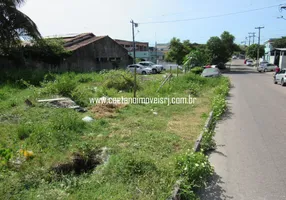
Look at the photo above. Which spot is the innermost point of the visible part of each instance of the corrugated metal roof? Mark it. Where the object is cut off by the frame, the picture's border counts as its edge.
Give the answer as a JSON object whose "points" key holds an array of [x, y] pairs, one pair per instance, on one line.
{"points": [[80, 44]]}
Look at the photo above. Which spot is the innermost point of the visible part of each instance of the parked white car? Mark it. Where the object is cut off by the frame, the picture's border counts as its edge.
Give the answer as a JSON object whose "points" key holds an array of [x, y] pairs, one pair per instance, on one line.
{"points": [[280, 78], [249, 62], [155, 68], [140, 69], [266, 67]]}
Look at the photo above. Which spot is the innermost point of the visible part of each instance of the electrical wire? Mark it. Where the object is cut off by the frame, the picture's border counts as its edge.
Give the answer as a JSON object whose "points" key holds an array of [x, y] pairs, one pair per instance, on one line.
{"points": [[208, 17]]}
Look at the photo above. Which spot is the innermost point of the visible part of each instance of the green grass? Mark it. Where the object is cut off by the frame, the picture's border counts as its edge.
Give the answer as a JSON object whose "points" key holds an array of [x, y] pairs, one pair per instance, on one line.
{"points": [[143, 146]]}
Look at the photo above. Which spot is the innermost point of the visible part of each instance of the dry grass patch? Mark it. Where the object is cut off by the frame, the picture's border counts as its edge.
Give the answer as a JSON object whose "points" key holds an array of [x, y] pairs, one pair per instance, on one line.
{"points": [[188, 125], [107, 110]]}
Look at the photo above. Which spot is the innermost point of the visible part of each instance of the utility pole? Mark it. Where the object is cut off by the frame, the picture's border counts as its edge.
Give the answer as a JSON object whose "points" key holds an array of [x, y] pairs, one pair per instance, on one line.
{"points": [[259, 28], [156, 47], [134, 58], [249, 38], [253, 36]]}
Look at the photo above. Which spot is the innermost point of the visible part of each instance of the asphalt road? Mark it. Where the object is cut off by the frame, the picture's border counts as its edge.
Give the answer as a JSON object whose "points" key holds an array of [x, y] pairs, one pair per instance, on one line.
{"points": [[250, 161]]}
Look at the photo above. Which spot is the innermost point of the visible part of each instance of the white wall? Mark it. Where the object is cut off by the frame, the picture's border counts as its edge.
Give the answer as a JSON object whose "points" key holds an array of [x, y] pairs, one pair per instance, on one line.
{"points": [[282, 63], [272, 59]]}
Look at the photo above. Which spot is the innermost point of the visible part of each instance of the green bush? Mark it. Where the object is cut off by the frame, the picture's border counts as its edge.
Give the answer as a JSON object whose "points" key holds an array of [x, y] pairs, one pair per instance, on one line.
{"points": [[29, 75], [219, 103], [67, 121], [81, 96], [195, 169], [208, 143], [5, 156], [119, 80], [197, 70], [63, 85]]}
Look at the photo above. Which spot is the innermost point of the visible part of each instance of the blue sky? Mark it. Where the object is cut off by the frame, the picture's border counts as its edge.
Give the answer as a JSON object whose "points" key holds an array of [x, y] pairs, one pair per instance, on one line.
{"points": [[112, 17]]}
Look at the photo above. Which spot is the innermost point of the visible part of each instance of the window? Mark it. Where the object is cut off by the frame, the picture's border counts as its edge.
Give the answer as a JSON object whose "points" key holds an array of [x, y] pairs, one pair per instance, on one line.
{"points": [[144, 64]]}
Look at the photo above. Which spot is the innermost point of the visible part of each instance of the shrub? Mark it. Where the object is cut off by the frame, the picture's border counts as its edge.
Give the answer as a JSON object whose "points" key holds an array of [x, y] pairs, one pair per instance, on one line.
{"points": [[119, 80], [208, 143], [5, 156], [29, 75], [63, 85], [81, 96], [195, 169], [197, 70], [67, 121]]}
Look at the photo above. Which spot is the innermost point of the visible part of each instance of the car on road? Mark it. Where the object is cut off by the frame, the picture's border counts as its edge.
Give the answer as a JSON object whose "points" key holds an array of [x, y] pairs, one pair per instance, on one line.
{"points": [[266, 67], [156, 69], [211, 72], [234, 57], [140, 69], [280, 77], [249, 62]]}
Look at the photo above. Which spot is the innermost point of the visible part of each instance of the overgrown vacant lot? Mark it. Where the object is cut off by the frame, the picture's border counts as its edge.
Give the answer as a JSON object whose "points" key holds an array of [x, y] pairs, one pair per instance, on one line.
{"points": [[50, 153]]}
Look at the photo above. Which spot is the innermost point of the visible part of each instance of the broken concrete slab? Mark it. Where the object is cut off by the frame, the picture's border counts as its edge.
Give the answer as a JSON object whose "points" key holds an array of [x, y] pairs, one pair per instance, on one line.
{"points": [[63, 103]]}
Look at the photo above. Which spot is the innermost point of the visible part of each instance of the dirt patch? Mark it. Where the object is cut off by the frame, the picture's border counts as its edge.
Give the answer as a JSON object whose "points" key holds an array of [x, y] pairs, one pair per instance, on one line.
{"points": [[81, 163], [106, 110]]}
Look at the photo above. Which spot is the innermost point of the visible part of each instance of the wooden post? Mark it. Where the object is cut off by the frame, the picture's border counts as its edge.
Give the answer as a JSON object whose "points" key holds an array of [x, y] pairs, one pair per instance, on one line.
{"points": [[170, 75], [177, 70]]}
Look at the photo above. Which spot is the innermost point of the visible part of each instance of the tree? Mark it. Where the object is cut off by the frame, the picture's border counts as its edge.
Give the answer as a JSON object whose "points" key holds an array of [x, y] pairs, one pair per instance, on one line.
{"points": [[241, 49], [178, 50], [220, 49], [216, 51], [251, 51], [14, 24], [196, 58], [228, 41], [51, 51], [280, 43]]}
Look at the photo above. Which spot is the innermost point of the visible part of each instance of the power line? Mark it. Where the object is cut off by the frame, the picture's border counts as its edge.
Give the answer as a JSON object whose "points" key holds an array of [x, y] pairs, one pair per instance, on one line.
{"points": [[208, 17]]}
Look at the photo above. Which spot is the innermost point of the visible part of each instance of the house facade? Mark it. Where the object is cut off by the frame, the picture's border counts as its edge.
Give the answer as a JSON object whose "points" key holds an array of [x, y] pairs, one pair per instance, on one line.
{"points": [[268, 49]]}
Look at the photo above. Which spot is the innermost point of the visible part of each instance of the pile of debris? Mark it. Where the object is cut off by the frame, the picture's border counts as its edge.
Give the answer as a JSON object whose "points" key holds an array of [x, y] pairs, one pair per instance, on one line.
{"points": [[106, 110], [63, 103]]}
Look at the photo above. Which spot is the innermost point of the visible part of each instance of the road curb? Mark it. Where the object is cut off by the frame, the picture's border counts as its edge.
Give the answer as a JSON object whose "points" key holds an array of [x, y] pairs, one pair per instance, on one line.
{"points": [[206, 127], [175, 194]]}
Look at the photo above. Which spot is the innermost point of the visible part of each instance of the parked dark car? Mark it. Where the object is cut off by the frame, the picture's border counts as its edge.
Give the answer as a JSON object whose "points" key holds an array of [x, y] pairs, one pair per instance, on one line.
{"points": [[221, 66]]}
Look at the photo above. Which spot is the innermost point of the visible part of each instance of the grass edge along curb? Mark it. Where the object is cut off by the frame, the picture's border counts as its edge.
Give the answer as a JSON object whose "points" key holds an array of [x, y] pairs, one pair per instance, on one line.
{"points": [[214, 116], [175, 193], [206, 128]]}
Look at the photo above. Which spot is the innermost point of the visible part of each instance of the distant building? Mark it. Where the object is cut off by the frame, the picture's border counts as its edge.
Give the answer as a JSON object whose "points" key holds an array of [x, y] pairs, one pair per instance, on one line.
{"points": [[163, 47], [93, 53], [140, 46], [268, 49], [142, 51]]}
